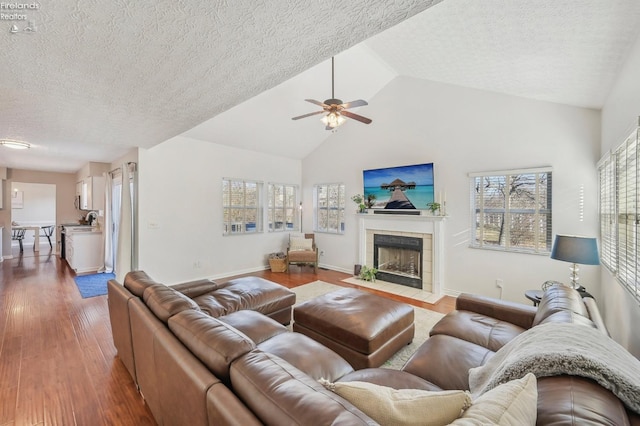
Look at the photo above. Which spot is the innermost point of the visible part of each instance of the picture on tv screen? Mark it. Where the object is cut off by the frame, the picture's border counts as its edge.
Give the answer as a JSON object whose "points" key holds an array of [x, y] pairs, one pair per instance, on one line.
{"points": [[404, 187]]}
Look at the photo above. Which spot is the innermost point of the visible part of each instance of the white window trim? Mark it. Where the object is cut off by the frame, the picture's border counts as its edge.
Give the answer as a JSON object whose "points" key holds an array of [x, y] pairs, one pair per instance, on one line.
{"points": [[507, 248]]}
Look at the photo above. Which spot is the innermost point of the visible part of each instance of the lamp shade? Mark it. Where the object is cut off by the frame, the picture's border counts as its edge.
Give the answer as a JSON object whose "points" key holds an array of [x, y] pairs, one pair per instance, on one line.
{"points": [[581, 250]]}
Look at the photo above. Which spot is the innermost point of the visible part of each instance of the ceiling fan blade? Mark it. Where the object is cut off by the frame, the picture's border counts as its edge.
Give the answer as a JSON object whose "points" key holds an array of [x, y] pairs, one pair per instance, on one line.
{"points": [[354, 104], [357, 117], [313, 101], [307, 115]]}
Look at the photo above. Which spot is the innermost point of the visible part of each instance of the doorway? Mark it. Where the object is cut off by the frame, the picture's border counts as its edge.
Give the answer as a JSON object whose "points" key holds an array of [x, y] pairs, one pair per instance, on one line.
{"points": [[33, 206]]}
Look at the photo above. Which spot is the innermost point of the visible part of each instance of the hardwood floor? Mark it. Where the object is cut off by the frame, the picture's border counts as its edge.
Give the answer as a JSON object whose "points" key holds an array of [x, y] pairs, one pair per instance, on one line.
{"points": [[58, 365]]}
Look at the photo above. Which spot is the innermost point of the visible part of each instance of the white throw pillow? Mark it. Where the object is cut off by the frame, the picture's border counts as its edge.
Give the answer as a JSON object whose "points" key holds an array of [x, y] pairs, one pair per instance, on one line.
{"points": [[402, 407], [300, 244], [511, 403]]}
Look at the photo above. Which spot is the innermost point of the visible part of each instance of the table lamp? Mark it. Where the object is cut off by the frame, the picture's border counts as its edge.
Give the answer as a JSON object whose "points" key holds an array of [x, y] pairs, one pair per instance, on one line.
{"points": [[577, 250]]}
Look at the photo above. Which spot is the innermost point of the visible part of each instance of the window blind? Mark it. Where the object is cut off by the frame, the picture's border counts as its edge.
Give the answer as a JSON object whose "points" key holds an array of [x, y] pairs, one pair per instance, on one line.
{"points": [[511, 210], [619, 180]]}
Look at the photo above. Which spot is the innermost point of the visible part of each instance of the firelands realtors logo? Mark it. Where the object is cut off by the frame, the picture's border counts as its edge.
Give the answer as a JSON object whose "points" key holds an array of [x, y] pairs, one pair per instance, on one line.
{"points": [[19, 15]]}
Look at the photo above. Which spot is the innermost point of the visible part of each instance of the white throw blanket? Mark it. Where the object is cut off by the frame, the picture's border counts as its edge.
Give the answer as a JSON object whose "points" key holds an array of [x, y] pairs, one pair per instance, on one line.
{"points": [[556, 349]]}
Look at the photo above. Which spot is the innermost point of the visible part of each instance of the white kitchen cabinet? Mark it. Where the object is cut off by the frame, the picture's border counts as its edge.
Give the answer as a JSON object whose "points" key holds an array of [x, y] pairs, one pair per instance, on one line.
{"points": [[91, 193], [83, 249]]}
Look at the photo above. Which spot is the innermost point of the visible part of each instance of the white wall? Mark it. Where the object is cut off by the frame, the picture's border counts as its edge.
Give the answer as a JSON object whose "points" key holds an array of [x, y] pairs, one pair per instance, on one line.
{"points": [[620, 113], [180, 209], [464, 130]]}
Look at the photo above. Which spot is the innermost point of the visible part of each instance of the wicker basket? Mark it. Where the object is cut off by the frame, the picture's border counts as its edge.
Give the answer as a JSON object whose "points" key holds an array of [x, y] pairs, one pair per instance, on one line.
{"points": [[278, 265]]}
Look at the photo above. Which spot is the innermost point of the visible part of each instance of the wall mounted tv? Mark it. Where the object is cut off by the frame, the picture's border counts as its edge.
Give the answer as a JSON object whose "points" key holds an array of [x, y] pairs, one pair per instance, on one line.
{"points": [[397, 188]]}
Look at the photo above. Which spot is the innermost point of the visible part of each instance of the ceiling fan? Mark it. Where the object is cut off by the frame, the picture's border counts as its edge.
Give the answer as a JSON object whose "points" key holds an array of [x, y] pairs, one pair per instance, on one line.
{"points": [[335, 109]]}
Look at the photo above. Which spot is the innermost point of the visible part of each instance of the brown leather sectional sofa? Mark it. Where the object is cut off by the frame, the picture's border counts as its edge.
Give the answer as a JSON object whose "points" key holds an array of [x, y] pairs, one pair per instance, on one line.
{"points": [[244, 368]]}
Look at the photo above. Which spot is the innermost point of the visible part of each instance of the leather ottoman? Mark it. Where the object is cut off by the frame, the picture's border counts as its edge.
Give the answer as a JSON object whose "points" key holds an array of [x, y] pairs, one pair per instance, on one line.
{"points": [[363, 328]]}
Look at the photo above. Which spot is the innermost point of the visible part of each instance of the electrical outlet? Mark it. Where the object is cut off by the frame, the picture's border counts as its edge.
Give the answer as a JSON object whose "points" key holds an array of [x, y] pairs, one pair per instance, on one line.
{"points": [[197, 264], [499, 283], [321, 252]]}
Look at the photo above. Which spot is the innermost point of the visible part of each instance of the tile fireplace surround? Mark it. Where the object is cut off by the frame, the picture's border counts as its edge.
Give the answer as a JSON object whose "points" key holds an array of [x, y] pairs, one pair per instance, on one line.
{"points": [[429, 228]]}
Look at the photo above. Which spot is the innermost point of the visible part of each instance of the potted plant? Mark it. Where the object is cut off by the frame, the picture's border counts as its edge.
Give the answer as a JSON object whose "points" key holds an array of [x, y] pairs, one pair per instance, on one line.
{"points": [[359, 200], [434, 207], [370, 201], [368, 274]]}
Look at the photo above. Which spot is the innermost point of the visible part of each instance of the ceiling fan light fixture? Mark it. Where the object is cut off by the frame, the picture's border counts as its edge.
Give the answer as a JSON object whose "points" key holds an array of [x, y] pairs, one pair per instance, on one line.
{"points": [[333, 120], [14, 144]]}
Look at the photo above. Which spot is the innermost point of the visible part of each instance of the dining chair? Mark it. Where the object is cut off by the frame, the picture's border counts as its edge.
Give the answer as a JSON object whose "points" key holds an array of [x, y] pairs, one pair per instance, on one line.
{"points": [[48, 232], [18, 235]]}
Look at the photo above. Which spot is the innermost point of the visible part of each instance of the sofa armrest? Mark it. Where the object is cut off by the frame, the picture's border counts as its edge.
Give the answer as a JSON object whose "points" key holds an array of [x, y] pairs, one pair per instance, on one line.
{"points": [[594, 314], [515, 313]]}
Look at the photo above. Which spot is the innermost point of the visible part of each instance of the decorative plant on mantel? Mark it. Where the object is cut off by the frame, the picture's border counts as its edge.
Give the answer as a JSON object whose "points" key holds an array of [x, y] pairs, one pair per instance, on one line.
{"points": [[434, 207], [370, 201], [368, 274], [359, 200]]}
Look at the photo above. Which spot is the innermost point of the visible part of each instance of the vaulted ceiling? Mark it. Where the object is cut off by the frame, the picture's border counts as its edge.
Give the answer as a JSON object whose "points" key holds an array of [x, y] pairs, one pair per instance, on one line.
{"points": [[98, 78]]}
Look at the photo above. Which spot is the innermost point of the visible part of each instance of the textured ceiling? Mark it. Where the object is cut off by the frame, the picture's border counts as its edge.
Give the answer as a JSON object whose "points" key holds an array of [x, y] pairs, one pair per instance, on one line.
{"points": [[98, 78], [565, 51]]}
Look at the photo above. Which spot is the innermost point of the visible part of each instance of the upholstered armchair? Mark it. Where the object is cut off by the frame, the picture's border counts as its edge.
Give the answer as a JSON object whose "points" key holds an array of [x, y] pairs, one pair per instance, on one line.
{"points": [[302, 250]]}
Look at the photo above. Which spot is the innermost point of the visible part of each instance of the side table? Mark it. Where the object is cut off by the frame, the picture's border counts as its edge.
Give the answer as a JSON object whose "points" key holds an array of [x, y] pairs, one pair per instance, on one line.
{"points": [[534, 295]]}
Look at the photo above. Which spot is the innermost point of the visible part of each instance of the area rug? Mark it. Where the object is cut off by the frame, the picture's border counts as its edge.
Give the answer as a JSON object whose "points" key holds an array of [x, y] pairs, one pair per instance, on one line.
{"points": [[424, 321], [93, 285]]}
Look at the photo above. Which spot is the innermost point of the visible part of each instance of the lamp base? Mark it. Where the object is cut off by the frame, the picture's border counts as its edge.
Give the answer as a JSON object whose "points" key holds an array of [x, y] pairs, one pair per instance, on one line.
{"points": [[574, 276]]}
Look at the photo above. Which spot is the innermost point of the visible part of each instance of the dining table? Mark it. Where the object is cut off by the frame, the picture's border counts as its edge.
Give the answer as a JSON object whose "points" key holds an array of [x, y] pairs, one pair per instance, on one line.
{"points": [[36, 234]]}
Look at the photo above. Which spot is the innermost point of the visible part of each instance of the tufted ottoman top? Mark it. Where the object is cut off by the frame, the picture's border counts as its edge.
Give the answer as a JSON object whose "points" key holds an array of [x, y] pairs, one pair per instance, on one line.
{"points": [[359, 320]]}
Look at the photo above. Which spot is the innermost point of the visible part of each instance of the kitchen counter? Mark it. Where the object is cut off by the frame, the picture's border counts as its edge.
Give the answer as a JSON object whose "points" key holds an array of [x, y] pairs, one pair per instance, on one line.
{"points": [[84, 248]]}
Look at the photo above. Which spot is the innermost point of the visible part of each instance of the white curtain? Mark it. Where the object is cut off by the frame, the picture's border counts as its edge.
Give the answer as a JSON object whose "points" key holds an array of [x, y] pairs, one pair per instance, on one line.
{"points": [[108, 226], [124, 248]]}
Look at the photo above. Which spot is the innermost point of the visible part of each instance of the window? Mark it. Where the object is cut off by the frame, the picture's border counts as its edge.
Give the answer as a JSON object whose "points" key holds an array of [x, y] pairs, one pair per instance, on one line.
{"points": [[329, 202], [282, 210], [511, 210], [619, 175], [242, 205]]}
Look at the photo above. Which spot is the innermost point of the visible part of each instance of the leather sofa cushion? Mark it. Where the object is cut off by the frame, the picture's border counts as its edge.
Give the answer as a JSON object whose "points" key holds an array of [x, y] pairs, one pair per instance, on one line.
{"points": [[209, 303], [280, 394], [254, 325], [395, 379], [196, 288], [137, 282], [559, 298], [445, 361], [477, 328], [215, 343], [575, 400], [252, 293], [165, 302], [307, 355]]}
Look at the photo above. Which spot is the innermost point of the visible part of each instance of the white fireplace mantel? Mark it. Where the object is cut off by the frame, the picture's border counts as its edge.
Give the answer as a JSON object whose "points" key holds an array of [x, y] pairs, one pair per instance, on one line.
{"points": [[419, 224]]}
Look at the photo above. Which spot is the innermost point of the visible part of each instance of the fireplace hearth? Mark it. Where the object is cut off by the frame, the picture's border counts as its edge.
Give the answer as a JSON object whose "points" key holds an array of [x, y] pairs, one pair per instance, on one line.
{"points": [[398, 259]]}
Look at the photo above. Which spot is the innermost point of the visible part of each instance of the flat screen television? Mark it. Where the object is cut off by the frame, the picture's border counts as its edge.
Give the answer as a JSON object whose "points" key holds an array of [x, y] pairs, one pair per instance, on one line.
{"points": [[397, 188]]}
